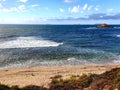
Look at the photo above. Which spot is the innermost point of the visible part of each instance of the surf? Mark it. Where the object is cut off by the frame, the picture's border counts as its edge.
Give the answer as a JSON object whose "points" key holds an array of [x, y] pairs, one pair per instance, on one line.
{"points": [[28, 42]]}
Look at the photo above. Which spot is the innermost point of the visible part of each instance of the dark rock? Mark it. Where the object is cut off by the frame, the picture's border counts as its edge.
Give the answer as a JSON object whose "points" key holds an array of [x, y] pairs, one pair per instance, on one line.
{"points": [[104, 26]]}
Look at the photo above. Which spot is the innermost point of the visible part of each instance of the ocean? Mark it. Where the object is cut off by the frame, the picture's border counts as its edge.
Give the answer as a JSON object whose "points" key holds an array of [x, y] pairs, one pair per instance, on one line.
{"points": [[58, 45]]}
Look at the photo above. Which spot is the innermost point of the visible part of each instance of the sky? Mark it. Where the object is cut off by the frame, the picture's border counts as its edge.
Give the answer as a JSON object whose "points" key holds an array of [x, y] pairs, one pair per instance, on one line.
{"points": [[59, 11]]}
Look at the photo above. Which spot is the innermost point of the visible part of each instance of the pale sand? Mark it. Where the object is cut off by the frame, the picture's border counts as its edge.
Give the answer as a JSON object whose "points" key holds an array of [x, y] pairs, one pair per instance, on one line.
{"points": [[41, 76]]}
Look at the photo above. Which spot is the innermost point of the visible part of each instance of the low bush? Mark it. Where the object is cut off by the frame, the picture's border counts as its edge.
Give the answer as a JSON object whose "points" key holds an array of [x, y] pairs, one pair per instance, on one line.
{"points": [[4, 87], [33, 87], [30, 87], [109, 80], [73, 83]]}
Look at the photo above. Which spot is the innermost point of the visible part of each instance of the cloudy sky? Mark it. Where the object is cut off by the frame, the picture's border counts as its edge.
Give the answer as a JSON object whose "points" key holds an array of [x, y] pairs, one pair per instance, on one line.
{"points": [[59, 11]]}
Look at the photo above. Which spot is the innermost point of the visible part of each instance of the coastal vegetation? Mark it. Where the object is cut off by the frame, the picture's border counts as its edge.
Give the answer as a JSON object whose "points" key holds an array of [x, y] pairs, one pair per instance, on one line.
{"points": [[110, 80]]}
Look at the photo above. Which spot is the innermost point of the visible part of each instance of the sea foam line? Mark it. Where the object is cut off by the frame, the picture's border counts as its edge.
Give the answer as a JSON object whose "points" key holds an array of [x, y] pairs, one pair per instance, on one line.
{"points": [[28, 42]]}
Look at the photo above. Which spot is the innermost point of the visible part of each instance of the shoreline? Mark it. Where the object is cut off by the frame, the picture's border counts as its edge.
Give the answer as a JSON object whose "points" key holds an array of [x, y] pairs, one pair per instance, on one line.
{"points": [[41, 75]]}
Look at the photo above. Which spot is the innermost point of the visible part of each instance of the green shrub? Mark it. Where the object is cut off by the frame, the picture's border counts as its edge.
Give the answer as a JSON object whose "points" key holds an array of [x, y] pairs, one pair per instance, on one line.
{"points": [[14, 88], [33, 87], [73, 83], [56, 77], [117, 81], [4, 87]]}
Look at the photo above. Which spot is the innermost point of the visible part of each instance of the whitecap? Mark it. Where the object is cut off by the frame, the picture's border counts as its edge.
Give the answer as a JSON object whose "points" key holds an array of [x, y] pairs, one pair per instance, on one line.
{"points": [[91, 28], [28, 42], [118, 35], [117, 27]]}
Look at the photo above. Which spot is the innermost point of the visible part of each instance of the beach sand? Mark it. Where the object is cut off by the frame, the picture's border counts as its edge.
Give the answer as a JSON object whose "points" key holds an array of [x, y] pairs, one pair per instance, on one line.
{"points": [[41, 76]]}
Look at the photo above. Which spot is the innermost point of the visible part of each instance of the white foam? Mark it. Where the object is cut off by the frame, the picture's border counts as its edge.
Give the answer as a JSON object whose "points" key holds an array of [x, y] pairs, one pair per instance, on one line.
{"points": [[116, 61], [27, 42], [117, 27], [118, 35], [71, 59], [91, 28]]}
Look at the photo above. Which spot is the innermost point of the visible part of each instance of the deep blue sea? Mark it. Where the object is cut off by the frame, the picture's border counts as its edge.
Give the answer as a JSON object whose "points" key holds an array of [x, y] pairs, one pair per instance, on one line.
{"points": [[58, 45]]}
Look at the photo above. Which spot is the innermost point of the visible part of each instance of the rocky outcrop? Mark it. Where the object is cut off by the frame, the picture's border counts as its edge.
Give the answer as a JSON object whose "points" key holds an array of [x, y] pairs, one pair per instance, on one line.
{"points": [[104, 26]]}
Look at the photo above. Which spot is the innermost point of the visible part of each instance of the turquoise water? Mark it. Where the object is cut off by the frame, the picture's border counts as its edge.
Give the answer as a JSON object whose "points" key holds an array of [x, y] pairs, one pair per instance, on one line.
{"points": [[53, 45]]}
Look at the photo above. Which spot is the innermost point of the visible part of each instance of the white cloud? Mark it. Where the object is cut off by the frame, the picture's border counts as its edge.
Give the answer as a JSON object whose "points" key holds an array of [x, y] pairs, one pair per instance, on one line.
{"points": [[34, 5], [61, 10], [3, 0], [90, 7], [1, 6], [21, 7], [110, 10], [12, 9], [75, 9], [96, 9], [22, 20], [24, 1], [69, 1], [85, 7]]}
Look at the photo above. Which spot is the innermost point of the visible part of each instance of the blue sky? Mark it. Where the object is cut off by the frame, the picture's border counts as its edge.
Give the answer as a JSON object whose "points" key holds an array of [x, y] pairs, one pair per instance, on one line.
{"points": [[59, 11]]}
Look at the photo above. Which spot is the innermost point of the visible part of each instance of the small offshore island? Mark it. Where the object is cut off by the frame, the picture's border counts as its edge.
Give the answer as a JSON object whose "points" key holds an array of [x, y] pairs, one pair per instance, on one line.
{"points": [[104, 26]]}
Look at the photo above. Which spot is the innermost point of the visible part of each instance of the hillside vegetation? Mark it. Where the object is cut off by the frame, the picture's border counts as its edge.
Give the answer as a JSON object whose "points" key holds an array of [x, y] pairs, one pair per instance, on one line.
{"points": [[110, 80]]}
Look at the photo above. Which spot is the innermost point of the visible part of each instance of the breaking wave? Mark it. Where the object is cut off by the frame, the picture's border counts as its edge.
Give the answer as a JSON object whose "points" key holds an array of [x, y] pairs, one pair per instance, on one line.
{"points": [[28, 42]]}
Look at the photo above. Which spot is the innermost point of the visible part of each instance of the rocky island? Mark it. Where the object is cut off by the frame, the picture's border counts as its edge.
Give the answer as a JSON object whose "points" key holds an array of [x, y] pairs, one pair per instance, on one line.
{"points": [[104, 26]]}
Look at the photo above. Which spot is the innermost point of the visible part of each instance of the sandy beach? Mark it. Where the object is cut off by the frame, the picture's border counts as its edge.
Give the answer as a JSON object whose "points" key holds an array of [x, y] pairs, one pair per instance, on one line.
{"points": [[41, 76]]}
